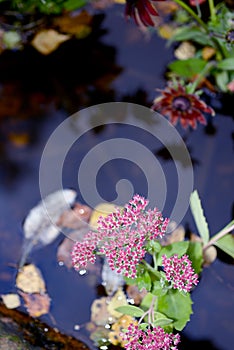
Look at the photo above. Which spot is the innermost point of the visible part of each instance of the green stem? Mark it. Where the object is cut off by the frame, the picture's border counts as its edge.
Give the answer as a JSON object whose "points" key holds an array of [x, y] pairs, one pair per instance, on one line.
{"points": [[191, 88], [212, 10], [151, 269], [193, 14], [219, 235]]}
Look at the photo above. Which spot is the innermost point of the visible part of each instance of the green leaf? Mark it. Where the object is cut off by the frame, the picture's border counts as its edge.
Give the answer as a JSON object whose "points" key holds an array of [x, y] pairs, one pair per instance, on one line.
{"points": [[222, 80], [130, 310], [144, 281], [199, 217], [226, 64], [161, 320], [71, 5], [179, 248], [226, 244], [193, 34], [176, 306], [195, 255], [187, 68], [157, 289], [147, 300], [143, 326], [153, 247]]}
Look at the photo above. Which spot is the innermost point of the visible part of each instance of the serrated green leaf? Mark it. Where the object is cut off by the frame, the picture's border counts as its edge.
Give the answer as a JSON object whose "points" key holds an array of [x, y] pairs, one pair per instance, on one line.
{"points": [[179, 248], [157, 289], [226, 64], [195, 255], [177, 307], [226, 244], [130, 310], [199, 217], [187, 68]]}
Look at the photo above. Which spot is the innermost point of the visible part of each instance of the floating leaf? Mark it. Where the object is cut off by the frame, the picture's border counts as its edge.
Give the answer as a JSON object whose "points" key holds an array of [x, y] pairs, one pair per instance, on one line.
{"points": [[102, 209], [11, 301], [48, 40], [73, 23], [131, 310], [76, 217], [111, 280], [176, 306], [199, 217], [226, 244], [40, 224], [37, 304], [29, 280], [119, 299], [99, 312]]}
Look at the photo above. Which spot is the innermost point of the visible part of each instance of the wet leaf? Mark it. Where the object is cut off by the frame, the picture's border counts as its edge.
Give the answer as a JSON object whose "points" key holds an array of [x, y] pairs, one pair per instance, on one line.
{"points": [[30, 280], [36, 304], [209, 255], [74, 24], [76, 217], [48, 40], [119, 299], [11, 301], [185, 50], [99, 312], [111, 280], [40, 224], [208, 52], [102, 209]]}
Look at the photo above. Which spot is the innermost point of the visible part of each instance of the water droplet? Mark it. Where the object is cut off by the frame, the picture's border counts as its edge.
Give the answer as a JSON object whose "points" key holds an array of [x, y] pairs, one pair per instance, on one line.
{"points": [[76, 327], [46, 329], [82, 272], [131, 301], [61, 263], [107, 326], [104, 347]]}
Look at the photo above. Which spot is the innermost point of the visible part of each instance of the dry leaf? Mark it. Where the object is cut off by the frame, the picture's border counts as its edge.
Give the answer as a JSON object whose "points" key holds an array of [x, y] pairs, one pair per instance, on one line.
{"points": [[40, 224], [134, 293], [75, 218], [209, 255], [99, 312], [48, 40], [102, 209], [71, 23], [29, 279], [11, 301], [36, 304], [119, 299], [185, 50], [208, 52]]}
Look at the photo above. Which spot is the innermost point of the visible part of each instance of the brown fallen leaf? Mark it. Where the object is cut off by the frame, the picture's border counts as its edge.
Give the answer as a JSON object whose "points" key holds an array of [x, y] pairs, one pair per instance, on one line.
{"points": [[134, 293], [102, 209], [36, 304], [74, 23], [208, 52], [30, 280], [118, 299], [48, 40], [75, 218], [99, 312], [11, 301]]}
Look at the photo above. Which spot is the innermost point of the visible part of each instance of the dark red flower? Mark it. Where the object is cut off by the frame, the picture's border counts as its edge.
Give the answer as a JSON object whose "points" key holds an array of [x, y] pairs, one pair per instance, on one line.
{"points": [[141, 11], [196, 2], [177, 104]]}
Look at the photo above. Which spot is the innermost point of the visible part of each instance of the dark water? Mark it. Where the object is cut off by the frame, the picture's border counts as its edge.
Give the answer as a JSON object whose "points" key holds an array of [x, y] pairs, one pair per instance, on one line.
{"points": [[117, 63]]}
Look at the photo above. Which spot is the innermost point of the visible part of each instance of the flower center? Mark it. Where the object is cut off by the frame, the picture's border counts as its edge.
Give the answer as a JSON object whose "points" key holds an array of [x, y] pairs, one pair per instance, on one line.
{"points": [[181, 103], [230, 36]]}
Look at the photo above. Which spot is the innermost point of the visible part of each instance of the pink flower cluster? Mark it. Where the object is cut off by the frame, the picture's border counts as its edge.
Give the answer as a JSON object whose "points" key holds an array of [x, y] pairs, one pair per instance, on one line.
{"points": [[121, 237], [150, 339], [179, 272]]}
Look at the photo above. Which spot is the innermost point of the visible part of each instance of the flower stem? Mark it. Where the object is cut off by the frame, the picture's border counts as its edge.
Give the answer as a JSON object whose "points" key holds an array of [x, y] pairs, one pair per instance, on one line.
{"points": [[212, 10], [192, 87], [219, 235], [193, 14]]}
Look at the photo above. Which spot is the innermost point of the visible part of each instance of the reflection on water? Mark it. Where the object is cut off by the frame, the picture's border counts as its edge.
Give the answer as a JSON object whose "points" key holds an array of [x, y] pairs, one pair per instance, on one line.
{"points": [[36, 94]]}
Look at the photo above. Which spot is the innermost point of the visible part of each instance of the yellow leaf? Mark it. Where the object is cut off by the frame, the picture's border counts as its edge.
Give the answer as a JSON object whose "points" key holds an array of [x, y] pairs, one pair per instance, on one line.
{"points": [[11, 301], [208, 52], [48, 40], [102, 209], [118, 327], [29, 279], [37, 304], [165, 31], [79, 24], [99, 313], [119, 299]]}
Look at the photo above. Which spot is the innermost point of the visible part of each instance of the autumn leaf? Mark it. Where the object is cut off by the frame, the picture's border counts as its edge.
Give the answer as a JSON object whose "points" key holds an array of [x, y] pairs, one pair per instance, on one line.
{"points": [[75, 218], [74, 24], [30, 280], [119, 299], [11, 301], [48, 40], [37, 304], [99, 312]]}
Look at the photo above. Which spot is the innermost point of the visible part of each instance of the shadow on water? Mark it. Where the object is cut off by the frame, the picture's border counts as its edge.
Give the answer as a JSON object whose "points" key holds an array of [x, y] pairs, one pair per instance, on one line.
{"points": [[36, 94]]}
